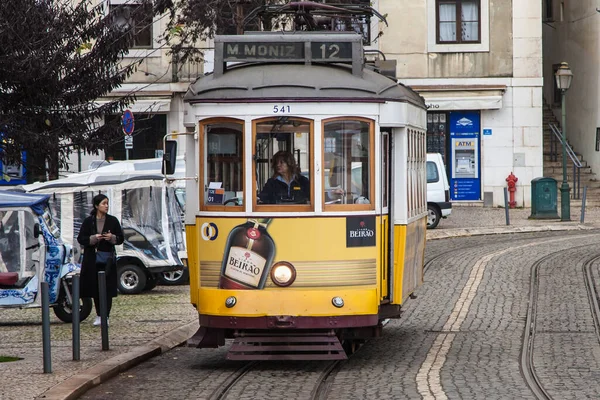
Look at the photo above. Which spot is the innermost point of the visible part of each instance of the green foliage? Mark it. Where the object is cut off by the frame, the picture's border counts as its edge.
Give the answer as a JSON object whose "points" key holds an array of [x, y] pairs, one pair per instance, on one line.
{"points": [[57, 57]]}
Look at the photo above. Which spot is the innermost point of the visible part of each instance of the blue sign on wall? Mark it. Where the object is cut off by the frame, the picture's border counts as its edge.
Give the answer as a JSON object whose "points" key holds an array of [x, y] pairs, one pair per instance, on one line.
{"points": [[13, 174], [465, 179]]}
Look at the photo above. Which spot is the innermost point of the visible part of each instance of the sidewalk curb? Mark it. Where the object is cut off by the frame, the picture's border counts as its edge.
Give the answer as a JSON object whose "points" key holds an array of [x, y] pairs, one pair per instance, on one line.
{"points": [[78, 384]]}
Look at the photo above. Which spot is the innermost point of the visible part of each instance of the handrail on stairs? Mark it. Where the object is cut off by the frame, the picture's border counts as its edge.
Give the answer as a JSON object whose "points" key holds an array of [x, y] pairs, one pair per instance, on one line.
{"points": [[554, 140]]}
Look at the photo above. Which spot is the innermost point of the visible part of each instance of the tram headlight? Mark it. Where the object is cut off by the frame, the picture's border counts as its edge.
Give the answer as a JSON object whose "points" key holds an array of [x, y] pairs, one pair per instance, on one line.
{"points": [[283, 274], [230, 301], [338, 302]]}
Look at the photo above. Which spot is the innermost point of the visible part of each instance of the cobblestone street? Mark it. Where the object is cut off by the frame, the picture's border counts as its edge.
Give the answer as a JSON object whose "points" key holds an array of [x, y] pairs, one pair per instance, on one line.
{"points": [[461, 338]]}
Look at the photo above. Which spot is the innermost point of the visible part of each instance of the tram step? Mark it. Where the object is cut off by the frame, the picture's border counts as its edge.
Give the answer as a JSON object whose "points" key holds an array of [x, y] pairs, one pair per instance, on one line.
{"points": [[305, 347]]}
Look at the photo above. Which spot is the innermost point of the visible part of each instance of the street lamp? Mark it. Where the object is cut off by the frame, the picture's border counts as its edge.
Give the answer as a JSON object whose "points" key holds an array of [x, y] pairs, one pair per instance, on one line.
{"points": [[564, 76]]}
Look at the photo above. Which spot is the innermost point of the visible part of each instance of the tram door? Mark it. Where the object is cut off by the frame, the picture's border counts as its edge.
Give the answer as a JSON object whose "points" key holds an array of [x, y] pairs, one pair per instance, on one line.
{"points": [[384, 233]]}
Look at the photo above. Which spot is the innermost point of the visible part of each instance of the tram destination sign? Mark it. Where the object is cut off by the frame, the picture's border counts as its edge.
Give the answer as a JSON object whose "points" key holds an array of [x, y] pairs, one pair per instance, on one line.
{"points": [[329, 51]]}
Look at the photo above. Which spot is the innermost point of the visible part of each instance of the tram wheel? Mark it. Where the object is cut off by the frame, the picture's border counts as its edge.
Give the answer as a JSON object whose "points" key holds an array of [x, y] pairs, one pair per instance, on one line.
{"points": [[350, 346]]}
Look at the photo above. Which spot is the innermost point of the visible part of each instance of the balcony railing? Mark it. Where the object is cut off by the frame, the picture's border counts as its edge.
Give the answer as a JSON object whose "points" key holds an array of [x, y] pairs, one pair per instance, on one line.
{"points": [[186, 72], [556, 140]]}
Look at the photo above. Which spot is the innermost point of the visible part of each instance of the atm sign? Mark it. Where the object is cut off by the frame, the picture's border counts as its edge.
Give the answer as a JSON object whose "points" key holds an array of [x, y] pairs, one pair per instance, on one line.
{"points": [[464, 143]]}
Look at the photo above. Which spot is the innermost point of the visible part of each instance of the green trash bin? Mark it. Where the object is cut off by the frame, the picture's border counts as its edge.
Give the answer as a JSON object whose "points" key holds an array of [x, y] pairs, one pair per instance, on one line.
{"points": [[544, 198]]}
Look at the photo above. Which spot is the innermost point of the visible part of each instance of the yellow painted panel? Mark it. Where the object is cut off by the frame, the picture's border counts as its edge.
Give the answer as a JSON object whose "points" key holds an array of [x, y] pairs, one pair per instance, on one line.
{"points": [[254, 303], [409, 254], [311, 274], [302, 239], [399, 253], [315, 246]]}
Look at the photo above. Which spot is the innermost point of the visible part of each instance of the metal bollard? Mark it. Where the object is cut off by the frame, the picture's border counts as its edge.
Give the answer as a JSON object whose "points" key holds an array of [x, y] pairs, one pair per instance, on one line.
{"points": [[506, 206], [582, 219], [103, 308], [76, 318], [46, 328]]}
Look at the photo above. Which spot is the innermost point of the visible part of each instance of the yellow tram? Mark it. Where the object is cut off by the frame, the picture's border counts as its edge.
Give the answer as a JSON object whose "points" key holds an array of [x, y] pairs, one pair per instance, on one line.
{"points": [[312, 270]]}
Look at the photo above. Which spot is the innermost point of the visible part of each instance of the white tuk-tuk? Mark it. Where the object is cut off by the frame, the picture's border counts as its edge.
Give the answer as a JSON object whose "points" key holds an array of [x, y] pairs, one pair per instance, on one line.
{"points": [[32, 252], [150, 214]]}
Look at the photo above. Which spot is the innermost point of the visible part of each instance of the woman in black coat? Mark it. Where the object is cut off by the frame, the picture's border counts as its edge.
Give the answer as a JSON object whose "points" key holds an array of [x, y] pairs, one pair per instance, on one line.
{"points": [[99, 232]]}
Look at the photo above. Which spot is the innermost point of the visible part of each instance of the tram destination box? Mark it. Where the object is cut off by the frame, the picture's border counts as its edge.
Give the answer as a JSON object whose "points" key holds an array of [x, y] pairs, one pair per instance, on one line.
{"points": [[278, 47]]}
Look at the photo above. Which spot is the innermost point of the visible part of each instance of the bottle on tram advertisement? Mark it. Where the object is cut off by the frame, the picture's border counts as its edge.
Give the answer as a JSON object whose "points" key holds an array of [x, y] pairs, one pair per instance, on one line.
{"points": [[248, 256]]}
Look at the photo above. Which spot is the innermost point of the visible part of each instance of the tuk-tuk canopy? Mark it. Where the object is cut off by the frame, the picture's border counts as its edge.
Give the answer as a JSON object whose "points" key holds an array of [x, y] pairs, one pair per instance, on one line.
{"points": [[110, 174], [37, 202]]}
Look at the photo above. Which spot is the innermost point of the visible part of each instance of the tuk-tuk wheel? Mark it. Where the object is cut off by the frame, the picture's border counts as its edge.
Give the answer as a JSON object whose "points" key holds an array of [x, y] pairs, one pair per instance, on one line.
{"points": [[178, 277], [63, 310], [131, 279]]}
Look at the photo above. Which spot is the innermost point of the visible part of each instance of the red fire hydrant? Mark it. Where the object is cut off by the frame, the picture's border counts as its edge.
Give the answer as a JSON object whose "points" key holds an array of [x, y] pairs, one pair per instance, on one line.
{"points": [[512, 188]]}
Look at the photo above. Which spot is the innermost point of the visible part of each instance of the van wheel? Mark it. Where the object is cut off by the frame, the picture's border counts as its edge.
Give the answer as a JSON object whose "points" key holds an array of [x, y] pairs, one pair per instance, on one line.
{"points": [[433, 217], [132, 279]]}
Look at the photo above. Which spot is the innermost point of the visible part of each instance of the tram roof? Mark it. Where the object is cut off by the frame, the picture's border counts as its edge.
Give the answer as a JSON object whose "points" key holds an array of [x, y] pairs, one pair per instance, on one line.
{"points": [[265, 82]]}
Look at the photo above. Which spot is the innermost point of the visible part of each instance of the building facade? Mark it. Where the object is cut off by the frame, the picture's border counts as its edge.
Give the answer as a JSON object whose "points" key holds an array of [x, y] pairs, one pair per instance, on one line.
{"points": [[159, 85], [478, 64], [571, 34]]}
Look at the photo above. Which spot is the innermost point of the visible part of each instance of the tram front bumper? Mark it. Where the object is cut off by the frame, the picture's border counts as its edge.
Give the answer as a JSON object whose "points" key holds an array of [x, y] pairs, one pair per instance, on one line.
{"points": [[268, 309]]}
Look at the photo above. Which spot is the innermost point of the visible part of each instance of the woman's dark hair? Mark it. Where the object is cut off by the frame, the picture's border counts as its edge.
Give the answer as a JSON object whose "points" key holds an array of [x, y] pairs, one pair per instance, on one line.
{"points": [[99, 198], [288, 158]]}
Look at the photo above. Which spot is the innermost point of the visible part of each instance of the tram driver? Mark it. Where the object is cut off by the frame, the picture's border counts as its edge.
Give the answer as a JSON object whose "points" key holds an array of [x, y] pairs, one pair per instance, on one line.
{"points": [[287, 185]]}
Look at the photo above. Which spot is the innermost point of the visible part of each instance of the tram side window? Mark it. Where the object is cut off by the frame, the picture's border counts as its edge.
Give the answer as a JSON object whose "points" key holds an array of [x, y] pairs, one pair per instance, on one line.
{"points": [[347, 151], [282, 161], [223, 176]]}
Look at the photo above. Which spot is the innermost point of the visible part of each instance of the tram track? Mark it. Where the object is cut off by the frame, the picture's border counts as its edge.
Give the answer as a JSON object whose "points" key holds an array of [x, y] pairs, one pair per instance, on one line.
{"points": [[428, 381], [433, 260], [222, 391], [320, 389], [325, 381], [591, 284], [527, 353], [476, 245], [527, 367]]}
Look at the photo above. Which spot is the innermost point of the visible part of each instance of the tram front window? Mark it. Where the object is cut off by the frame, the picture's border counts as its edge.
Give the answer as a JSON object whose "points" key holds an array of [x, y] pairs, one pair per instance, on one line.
{"points": [[282, 155], [223, 177], [347, 150]]}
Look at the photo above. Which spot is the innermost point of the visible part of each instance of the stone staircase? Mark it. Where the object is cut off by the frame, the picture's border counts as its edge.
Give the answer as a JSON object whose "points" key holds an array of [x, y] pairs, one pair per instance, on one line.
{"points": [[553, 169]]}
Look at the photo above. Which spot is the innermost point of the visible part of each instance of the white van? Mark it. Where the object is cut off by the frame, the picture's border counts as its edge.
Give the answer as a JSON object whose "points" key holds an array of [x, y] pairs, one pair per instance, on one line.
{"points": [[438, 190]]}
